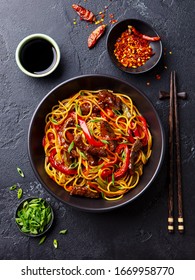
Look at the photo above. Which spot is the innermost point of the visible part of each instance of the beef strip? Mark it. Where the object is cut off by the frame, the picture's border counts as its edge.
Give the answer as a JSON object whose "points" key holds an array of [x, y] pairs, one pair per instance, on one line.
{"points": [[84, 191], [78, 141], [85, 109], [70, 121], [95, 151], [109, 100], [108, 133], [134, 149]]}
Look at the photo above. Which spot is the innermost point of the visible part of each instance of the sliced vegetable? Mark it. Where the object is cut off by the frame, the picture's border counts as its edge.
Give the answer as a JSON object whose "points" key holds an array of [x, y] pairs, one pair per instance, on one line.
{"points": [[121, 171], [59, 166], [12, 188], [63, 231], [55, 243], [20, 193], [42, 240], [145, 129], [88, 136], [20, 172], [34, 216], [71, 146]]}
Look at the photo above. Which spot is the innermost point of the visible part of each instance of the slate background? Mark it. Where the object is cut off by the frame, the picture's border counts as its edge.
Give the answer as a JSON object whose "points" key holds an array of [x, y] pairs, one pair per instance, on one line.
{"points": [[139, 230]]}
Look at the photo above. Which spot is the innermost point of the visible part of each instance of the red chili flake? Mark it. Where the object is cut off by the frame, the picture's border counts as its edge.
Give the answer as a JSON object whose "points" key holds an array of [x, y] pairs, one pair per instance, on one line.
{"points": [[158, 77], [131, 50], [113, 21], [111, 15]]}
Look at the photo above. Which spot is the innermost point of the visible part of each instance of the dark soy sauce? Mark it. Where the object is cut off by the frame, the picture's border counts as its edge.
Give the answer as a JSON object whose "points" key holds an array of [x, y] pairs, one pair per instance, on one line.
{"points": [[38, 56]]}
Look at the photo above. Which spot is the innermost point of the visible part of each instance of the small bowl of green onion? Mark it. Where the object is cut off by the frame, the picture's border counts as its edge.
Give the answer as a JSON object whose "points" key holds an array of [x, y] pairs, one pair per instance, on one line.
{"points": [[34, 216]]}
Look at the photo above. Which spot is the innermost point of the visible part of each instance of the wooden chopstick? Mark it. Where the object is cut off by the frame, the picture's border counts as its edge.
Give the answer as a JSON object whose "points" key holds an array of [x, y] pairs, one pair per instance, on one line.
{"points": [[174, 126], [171, 161], [180, 217]]}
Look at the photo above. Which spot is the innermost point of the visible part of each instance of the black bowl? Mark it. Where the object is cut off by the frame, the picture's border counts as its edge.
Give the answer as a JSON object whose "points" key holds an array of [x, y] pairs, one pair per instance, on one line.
{"points": [[143, 28], [47, 227], [94, 82]]}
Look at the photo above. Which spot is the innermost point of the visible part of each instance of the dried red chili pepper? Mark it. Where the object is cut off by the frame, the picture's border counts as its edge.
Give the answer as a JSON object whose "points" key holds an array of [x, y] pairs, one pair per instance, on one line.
{"points": [[136, 32], [84, 13], [95, 35]]}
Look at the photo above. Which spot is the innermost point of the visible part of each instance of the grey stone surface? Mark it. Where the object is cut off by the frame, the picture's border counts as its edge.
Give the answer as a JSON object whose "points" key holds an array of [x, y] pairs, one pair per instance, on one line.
{"points": [[139, 230]]}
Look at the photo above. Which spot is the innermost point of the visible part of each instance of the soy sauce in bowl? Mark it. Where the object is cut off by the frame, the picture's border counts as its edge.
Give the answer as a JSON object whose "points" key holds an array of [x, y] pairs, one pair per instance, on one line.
{"points": [[38, 56]]}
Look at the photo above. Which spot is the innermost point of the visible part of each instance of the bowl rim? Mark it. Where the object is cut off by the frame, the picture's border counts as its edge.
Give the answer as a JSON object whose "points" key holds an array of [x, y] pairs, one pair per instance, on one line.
{"points": [[118, 65], [48, 226], [112, 207]]}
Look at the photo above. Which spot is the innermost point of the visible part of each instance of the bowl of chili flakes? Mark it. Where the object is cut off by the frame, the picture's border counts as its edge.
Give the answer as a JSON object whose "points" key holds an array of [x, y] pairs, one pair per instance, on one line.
{"points": [[134, 46]]}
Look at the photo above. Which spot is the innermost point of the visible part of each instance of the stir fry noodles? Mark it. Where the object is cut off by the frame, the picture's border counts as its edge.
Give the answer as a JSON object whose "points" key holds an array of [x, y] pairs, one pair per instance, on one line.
{"points": [[96, 144]]}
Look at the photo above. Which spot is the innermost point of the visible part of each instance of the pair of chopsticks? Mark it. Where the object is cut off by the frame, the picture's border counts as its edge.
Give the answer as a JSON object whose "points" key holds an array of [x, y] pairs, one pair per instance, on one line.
{"points": [[174, 150]]}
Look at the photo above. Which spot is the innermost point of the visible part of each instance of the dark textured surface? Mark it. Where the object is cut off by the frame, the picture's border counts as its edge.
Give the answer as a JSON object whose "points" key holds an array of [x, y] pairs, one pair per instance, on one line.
{"points": [[139, 230]]}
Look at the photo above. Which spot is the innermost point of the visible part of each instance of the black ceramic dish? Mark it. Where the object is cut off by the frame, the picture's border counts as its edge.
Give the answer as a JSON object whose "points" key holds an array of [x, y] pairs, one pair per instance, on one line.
{"points": [[143, 28], [94, 82], [47, 227]]}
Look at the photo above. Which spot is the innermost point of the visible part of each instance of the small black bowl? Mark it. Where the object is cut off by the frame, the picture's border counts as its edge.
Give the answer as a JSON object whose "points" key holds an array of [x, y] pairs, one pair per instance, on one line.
{"points": [[47, 227], [143, 28]]}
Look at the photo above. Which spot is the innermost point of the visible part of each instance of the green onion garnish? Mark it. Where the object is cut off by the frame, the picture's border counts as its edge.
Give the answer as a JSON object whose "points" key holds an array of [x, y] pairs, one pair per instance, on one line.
{"points": [[12, 188], [42, 240], [55, 243], [33, 216], [71, 146], [20, 193], [20, 172], [63, 231], [104, 141]]}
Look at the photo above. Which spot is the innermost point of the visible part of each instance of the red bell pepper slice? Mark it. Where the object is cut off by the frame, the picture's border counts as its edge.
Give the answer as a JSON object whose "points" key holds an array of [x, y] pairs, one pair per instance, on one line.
{"points": [[59, 166], [107, 172], [130, 136], [145, 129], [69, 136], [121, 171], [90, 139], [125, 166]]}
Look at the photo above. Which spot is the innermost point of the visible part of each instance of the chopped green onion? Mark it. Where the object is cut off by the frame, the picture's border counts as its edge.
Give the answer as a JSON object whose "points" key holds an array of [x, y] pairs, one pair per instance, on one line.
{"points": [[117, 112], [53, 120], [12, 188], [55, 243], [82, 154], [20, 172], [78, 126], [104, 141], [63, 231], [95, 120], [71, 146], [42, 240], [20, 193], [113, 179], [73, 165], [34, 216], [82, 93]]}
